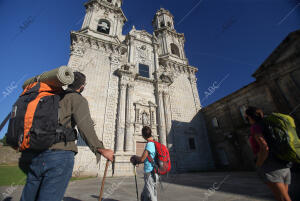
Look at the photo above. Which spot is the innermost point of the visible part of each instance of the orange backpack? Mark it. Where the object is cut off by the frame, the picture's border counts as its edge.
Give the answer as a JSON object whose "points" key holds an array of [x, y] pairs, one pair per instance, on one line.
{"points": [[34, 122]]}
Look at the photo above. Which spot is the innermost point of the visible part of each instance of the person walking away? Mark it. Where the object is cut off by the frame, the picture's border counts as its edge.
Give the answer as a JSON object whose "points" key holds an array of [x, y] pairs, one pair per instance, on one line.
{"points": [[273, 171], [49, 171], [150, 176]]}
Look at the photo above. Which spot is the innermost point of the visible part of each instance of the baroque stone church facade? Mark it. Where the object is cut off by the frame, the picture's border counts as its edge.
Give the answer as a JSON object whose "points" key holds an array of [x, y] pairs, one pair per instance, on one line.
{"points": [[135, 80]]}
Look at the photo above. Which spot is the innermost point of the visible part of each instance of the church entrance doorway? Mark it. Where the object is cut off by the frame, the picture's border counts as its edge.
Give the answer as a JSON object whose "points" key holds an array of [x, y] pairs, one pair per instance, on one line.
{"points": [[140, 147]]}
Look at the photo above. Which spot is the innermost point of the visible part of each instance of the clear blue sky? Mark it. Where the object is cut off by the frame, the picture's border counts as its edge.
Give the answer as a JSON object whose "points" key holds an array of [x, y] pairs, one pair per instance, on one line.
{"points": [[224, 38]]}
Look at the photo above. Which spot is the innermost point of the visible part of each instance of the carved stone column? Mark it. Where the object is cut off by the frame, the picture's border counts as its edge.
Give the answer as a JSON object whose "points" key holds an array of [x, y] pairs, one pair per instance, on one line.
{"points": [[129, 125], [131, 50], [165, 44], [156, 62], [168, 118], [121, 117], [161, 118], [116, 24]]}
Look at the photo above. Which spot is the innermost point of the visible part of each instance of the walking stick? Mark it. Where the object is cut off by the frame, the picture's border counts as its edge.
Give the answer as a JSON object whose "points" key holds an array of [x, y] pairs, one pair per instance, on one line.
{"points": [[136, 186], [4, 121], [103, 180]]}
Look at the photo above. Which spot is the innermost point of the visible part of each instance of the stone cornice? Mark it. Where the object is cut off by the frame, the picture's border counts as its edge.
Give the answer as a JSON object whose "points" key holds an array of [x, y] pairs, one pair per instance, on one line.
{"points": [[178, 67], [144, 79], [170, 31], [124, 73], [88, 41], [170, 56], [87, 29], [129, 75]]}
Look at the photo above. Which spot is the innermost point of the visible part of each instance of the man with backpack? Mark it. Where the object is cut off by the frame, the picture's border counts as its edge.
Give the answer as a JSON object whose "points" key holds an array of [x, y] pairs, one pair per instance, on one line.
{"points": [[47, 139], [271, 143], [150, 176]]}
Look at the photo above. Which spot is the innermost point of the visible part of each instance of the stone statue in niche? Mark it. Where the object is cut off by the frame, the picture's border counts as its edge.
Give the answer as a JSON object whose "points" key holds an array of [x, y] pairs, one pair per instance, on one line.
{"points": [[145, 119]]}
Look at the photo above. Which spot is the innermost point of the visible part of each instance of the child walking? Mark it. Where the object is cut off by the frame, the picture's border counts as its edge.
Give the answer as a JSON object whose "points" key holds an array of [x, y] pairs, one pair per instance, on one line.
{"points": [[150, 177]]}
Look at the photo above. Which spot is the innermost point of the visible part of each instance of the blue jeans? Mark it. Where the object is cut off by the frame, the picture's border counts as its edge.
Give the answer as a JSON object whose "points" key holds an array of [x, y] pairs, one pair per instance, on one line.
{"points": [[48, 176]]}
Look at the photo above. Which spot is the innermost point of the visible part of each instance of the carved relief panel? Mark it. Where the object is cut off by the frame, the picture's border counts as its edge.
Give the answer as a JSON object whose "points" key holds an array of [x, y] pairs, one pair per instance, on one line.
{"points": [[145, 115]]}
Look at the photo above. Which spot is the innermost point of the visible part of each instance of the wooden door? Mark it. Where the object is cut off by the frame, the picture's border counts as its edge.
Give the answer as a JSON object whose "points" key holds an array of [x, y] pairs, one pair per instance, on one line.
{"points": [[140, 147]]}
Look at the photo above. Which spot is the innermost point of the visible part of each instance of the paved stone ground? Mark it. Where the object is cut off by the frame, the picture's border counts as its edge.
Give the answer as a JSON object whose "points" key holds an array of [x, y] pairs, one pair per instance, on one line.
{"points": [[229, 186]]}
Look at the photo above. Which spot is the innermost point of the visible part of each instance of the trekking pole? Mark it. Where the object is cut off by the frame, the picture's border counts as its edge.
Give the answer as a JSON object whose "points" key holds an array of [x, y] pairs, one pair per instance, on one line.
{"points": [[4, 121], [136, 186], [103, 180]]}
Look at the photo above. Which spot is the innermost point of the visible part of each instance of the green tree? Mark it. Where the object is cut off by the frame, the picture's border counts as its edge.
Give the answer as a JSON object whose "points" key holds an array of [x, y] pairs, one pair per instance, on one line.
{"points": [[3, 140]]}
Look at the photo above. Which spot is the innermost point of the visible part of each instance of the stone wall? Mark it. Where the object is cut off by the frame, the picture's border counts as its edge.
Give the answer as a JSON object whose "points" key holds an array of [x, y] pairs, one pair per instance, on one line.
{"points": [[9, 156]]}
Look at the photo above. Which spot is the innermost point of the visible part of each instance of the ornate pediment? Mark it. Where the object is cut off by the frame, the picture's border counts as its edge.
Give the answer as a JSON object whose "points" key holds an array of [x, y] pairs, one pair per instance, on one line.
{"points": [[141, 35]]}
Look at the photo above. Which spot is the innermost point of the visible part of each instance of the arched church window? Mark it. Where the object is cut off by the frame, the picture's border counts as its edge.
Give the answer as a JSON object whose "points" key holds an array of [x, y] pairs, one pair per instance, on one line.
{"points": [[144, 70], [103, 26], [162, 24], [169, 24], [175, 50]]}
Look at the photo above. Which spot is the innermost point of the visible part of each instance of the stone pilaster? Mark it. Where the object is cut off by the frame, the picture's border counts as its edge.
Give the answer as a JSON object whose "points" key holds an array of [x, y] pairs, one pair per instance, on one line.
{"points": [[121, 117], [156, 62], [165, 44], [168, 118], [131, 51], [161, 118], [129, 126]]}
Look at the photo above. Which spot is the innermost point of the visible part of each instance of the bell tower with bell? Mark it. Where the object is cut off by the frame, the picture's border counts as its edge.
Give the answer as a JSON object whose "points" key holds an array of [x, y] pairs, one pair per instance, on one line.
{"points": [[171, 42], [104, 18]]}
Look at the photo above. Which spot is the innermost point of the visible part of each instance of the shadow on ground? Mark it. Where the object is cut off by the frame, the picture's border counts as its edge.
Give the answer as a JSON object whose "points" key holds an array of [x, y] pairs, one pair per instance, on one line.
{"points": [[103, 199], [94, 196], [240, 183], [70, 199]]}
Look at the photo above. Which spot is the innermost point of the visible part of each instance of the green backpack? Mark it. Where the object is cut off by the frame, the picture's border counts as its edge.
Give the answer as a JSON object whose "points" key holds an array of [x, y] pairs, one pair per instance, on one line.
{"points": [[281, 136]]}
